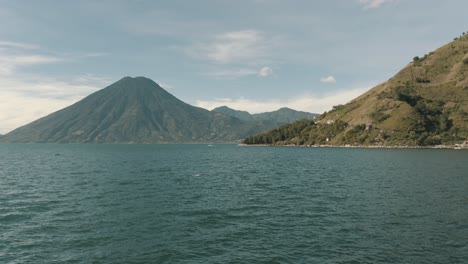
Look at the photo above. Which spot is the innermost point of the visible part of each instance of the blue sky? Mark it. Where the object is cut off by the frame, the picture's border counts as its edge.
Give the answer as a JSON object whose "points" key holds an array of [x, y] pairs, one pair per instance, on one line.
{"points": [[254, 55]]}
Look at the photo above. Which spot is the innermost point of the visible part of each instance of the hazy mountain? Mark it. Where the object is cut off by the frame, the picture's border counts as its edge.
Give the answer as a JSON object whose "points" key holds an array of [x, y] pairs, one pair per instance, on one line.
{"points": [[242, 115], [426, 103], [133, 110], [284, 115], [281, 116]]}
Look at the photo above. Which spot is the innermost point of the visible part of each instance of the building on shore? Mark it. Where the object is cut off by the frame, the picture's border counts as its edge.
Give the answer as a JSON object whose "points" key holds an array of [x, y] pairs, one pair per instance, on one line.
{"points": [[463, 145]]}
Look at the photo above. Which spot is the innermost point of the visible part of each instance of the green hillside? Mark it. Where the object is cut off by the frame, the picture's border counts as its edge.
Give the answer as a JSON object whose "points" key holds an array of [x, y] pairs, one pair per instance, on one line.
{"points": [[242, 115], [134, 110], [426, 103], [284, 115], [280, 117]]}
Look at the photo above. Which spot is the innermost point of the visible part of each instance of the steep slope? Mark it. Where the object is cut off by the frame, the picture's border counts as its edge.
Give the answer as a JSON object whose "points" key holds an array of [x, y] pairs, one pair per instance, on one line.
{"points": [[130, 110], [426, 103]]}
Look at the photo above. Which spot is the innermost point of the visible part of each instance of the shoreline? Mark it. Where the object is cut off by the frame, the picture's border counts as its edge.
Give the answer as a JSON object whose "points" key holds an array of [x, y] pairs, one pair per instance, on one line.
{"points": [[359, 146]]}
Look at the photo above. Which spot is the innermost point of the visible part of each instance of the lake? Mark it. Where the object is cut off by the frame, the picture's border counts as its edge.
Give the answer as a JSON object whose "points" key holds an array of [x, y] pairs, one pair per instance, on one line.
{"points": [[78, 203]]}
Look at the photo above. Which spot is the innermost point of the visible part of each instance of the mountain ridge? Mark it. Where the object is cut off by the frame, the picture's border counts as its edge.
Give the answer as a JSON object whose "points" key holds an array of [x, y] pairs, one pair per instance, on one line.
{"points": [[131, 110], [282, 116], [242, 115], [423, 104], [135, 110]]}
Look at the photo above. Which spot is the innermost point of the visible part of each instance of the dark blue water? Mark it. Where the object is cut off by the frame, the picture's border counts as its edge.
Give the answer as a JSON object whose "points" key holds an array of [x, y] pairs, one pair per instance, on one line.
{"points": [[230, 204]]}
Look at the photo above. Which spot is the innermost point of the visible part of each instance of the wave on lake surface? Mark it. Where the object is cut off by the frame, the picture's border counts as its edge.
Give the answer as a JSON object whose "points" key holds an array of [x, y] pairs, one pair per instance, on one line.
{"points": [[229, 204]]}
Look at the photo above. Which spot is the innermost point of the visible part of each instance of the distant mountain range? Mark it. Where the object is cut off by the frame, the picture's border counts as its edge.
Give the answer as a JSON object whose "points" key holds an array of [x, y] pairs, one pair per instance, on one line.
{"points": [[138, 110], [424, 104], [281, 116]]}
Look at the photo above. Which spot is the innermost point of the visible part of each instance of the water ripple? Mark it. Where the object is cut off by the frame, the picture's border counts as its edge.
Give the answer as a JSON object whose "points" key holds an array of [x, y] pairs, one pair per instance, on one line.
{"points": [[193, 204]]}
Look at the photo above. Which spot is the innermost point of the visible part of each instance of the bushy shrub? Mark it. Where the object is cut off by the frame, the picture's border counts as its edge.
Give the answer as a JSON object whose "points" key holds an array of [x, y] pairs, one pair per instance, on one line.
{"points": [[422, 80], [338, 106], [379, 116]]}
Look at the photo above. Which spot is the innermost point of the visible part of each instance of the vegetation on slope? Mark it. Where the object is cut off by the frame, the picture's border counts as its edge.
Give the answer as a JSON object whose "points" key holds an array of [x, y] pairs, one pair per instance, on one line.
{"points": [[284, 115], [134, 110], [424, 104], [281, 116], [242, 115]]}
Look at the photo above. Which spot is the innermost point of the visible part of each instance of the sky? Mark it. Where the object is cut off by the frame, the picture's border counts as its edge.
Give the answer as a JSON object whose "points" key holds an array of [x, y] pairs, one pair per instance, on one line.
{"points": [[252, 55]]}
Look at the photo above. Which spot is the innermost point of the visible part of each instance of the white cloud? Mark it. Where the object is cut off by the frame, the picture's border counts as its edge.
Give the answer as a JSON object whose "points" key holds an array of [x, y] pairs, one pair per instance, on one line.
{"points": [[164, 85], [11, 44], [17, 109], [9, 63], [329, 79], [22, 102], [309, 103], [232, 74], [265, 71], [14, 55], [94, 55], [244, 46], [239, 73], [26, 97], [86, 80], [369, 4]]}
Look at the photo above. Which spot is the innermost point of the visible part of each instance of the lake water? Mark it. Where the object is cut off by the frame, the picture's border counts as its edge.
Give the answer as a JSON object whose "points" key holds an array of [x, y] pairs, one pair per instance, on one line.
{"points": [[230, 204]]}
